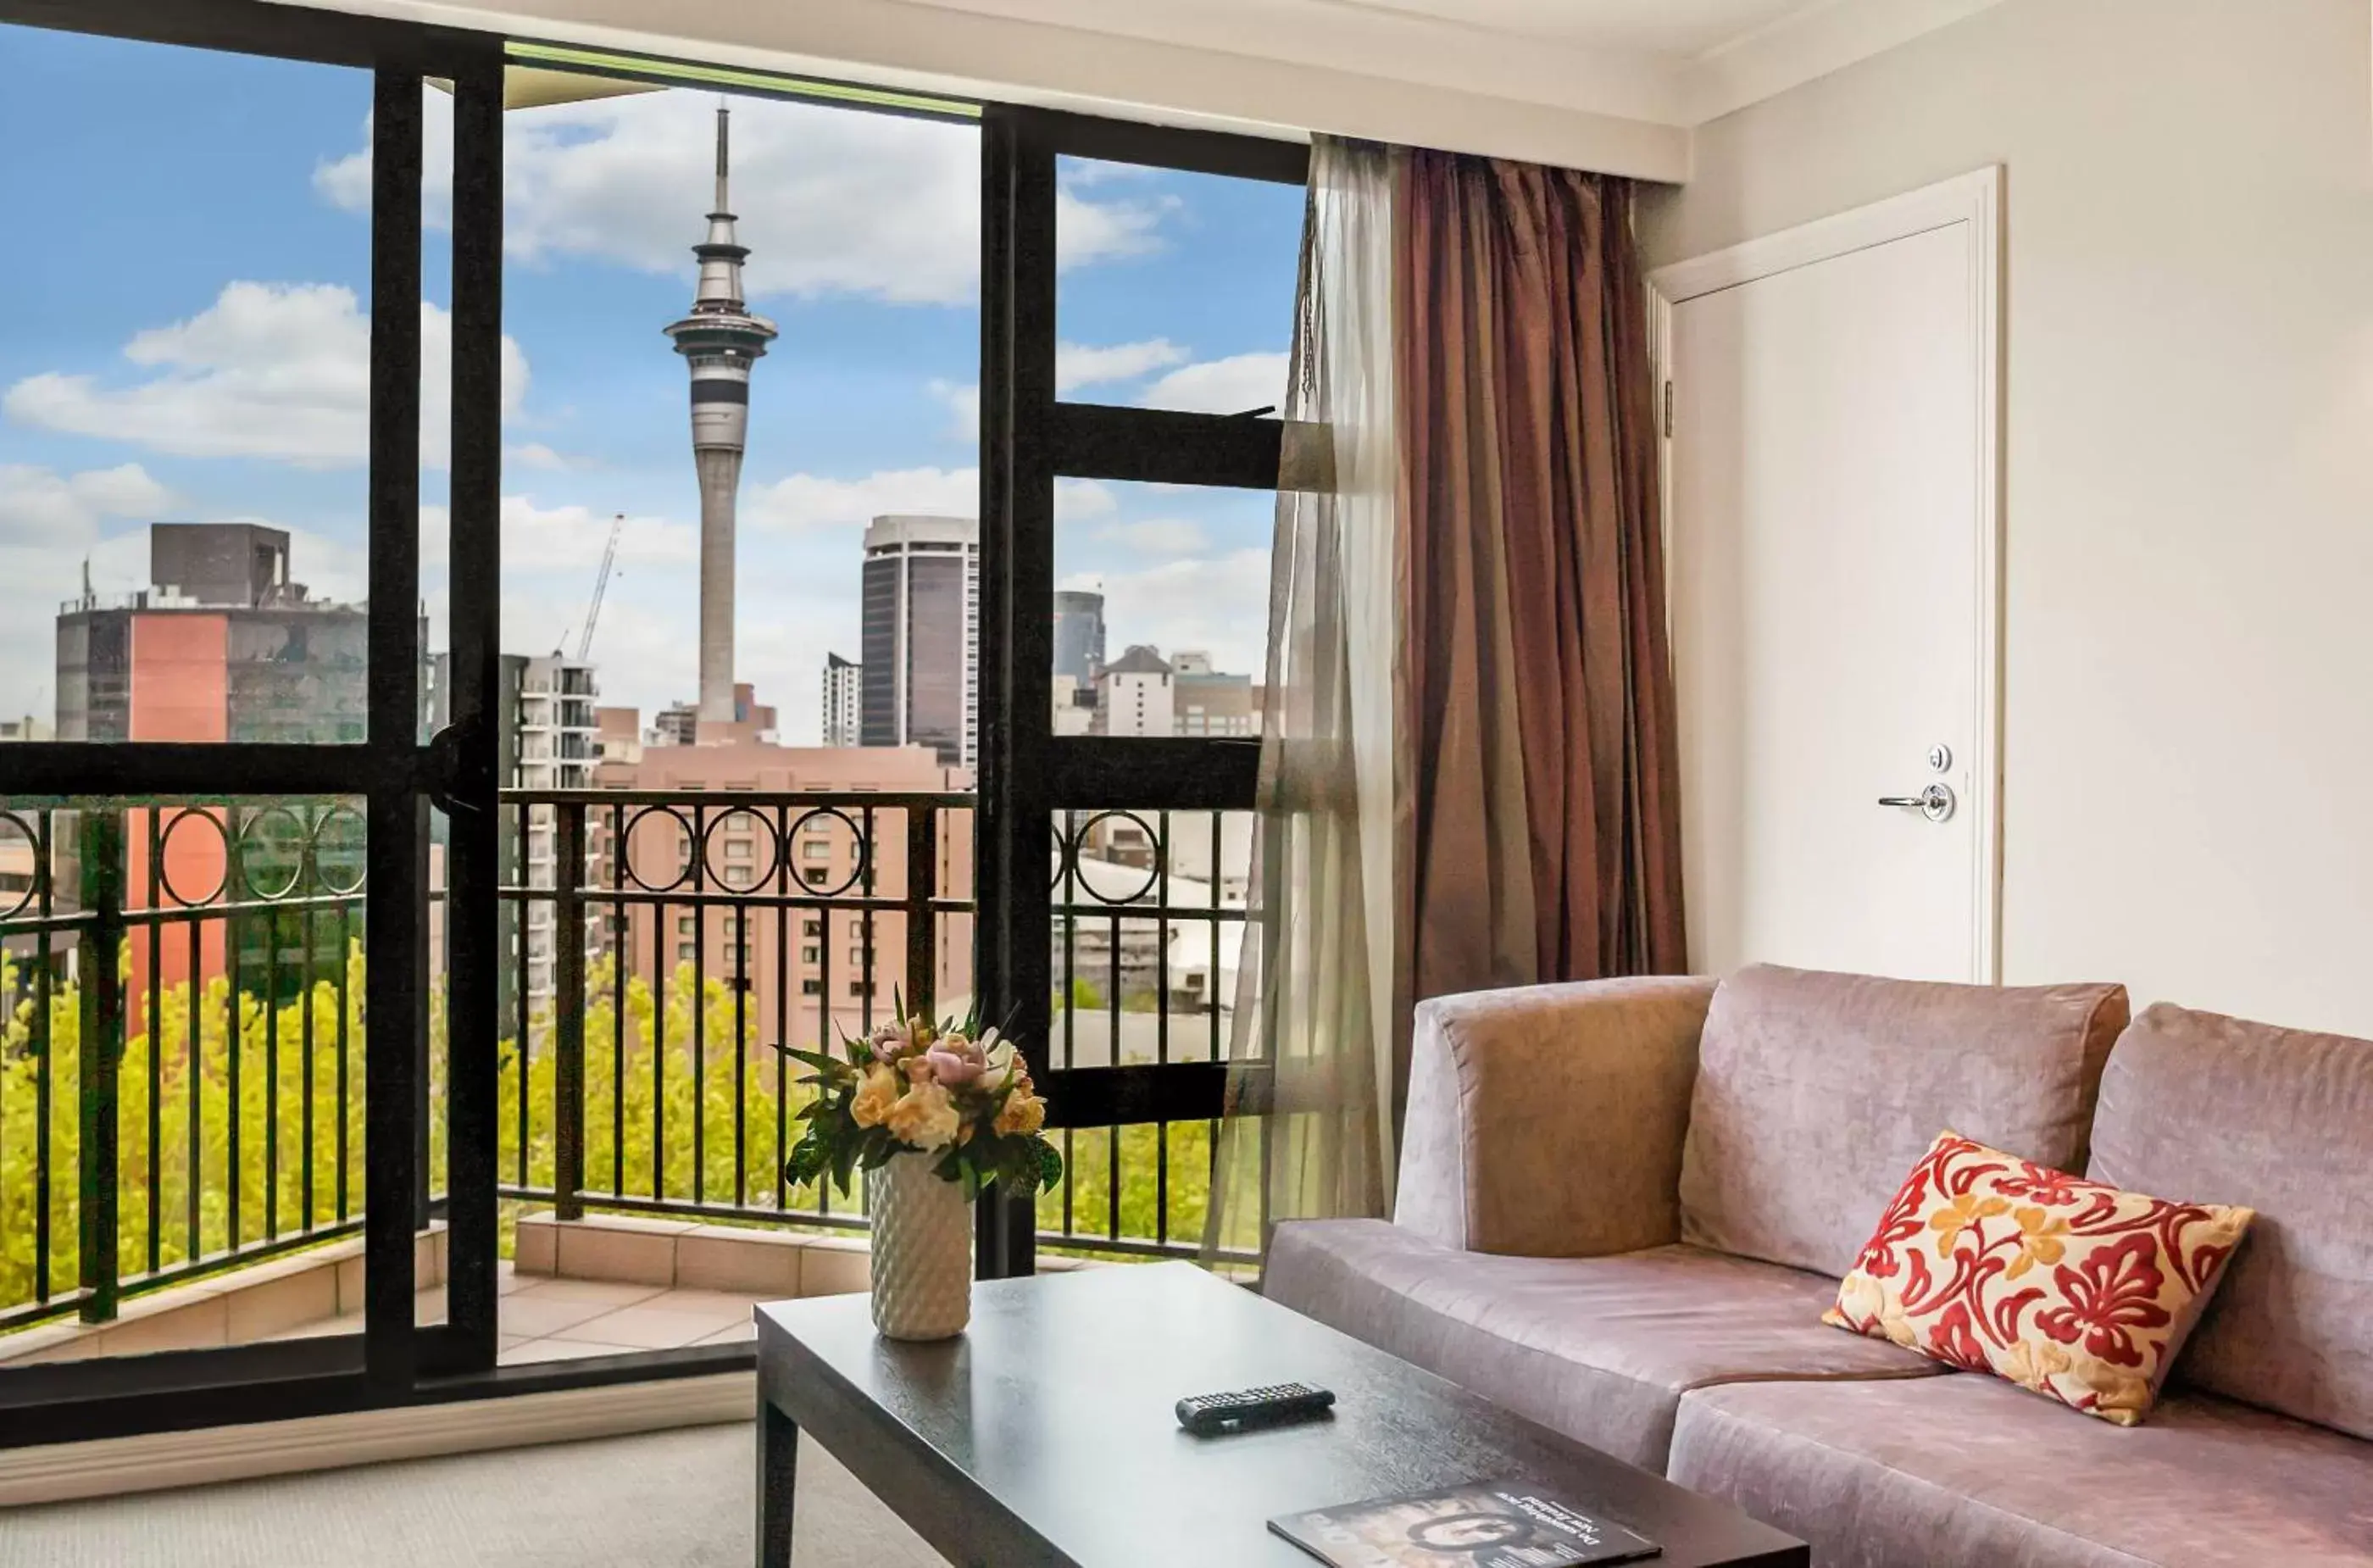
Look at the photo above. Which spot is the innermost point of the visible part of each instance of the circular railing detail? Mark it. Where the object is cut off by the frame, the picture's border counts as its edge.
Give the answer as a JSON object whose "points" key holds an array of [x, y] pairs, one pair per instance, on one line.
{"points": [[180, 819], [40, 862], [291, 849], [861, 866], [760, 868], [1074, 843]]}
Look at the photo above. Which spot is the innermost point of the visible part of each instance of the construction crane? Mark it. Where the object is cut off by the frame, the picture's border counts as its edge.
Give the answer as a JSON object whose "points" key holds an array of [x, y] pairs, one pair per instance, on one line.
{"points": [[601, 587]]}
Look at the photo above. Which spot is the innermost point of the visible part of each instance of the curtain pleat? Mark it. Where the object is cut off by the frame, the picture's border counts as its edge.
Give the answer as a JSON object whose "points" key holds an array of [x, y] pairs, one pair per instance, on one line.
{"points": [[1468, 751], [1541, 698]]}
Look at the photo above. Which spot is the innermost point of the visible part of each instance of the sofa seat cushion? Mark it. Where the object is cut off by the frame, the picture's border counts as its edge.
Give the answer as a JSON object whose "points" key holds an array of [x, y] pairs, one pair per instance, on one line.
{"points": [[1965, 1470], [1600, 1349]]}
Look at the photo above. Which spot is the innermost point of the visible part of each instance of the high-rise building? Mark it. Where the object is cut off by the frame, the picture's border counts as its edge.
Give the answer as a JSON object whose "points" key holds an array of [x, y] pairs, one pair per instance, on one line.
{"points": [[686, 723], [1136, 694], [1078, 632], [546, 737], [721, 341], [843, 713], [222, 646], [1208, 702], [921, 624]]}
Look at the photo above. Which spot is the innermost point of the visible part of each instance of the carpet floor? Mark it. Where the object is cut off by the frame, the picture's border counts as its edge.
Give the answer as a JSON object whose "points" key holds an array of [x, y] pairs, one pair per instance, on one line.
{"points": [[662, 1500]]}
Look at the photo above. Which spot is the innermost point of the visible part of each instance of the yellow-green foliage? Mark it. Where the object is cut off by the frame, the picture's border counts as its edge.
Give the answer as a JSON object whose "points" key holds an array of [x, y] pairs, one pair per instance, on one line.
{"points": [[658, 1030], [675, 1096], [261, 1115]]}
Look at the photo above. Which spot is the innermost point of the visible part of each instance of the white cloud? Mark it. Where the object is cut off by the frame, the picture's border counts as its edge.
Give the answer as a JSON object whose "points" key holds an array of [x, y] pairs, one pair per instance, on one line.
{"points": [[572, 539], [1234, 385], [963, 410], [1076, 500], [805, 501], [1081, 365], [831, 201], [1219, 603], [42, 508], [1160, 537], [1089, 231], [269, 371], [536, 455]]}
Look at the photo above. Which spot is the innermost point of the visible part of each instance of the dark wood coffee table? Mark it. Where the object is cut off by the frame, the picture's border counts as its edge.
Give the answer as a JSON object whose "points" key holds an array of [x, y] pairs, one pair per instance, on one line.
{"points": [[1045, 1433]]}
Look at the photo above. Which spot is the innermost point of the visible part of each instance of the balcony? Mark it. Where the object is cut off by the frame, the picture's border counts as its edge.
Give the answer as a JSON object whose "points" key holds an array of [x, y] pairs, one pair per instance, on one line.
{"points": [[202, 1182]]}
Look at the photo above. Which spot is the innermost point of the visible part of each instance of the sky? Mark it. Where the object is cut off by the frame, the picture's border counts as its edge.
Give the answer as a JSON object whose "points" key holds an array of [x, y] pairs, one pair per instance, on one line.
{"points": [[184, 302]]}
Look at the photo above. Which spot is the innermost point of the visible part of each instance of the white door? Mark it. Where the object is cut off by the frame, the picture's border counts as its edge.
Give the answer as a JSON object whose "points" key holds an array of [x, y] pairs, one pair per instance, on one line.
{"points": [[1833, 567]]}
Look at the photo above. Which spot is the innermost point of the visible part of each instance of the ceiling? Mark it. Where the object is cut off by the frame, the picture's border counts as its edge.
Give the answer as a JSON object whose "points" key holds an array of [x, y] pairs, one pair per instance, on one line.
{"points": [[1610, 85], [1683, 28]]}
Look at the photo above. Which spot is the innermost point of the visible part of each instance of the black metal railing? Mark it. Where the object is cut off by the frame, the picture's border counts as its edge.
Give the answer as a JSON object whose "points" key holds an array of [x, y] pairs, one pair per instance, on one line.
{"points": [[666, 941], [684, 934], [182, 1038], [1149, 910], [180, 1043]]}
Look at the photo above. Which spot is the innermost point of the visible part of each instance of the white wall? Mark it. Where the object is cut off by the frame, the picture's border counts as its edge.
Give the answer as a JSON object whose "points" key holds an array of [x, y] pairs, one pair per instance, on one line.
{"points": [[2189, 621]]}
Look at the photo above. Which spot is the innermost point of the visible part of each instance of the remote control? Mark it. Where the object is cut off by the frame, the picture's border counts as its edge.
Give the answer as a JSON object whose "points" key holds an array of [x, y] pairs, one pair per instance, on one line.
{"points": [[1208, 1414]]}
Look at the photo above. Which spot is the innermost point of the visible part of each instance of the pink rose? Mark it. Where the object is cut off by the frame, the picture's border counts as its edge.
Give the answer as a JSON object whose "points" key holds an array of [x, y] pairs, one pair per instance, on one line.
{"points": [[956, 1061]]}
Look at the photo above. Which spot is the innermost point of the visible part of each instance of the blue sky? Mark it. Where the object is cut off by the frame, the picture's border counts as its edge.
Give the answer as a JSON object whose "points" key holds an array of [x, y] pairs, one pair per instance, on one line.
{"points": [[183, 302]]}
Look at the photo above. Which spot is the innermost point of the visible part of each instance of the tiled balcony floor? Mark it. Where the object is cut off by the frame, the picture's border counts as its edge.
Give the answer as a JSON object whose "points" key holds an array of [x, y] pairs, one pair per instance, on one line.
{"points": [[544, 1318]]}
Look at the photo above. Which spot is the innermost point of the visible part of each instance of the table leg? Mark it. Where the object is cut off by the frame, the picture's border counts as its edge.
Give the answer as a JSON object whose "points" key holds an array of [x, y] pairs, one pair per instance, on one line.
{"points": [[779, 1458]]}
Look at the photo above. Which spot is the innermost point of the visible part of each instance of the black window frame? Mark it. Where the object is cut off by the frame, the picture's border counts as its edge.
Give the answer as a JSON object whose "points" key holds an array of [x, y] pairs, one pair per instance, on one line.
{"points": [[1030, 438]]}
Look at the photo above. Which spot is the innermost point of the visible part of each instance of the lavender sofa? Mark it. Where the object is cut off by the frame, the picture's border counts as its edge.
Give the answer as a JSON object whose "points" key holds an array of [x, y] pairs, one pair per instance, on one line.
{"points": [[1623, 1205]]}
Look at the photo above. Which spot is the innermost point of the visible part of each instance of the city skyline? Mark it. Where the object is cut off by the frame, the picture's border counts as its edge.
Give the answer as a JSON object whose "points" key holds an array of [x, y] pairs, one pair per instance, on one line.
{"points": [[217, 373]]}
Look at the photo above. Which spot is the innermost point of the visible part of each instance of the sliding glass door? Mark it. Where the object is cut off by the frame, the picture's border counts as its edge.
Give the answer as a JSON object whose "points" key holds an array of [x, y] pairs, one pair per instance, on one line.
{"points": [[220, 385], [512, 560]]}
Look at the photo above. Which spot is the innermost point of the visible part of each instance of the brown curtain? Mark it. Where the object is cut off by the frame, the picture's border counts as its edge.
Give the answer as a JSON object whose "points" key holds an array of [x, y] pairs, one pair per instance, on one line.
{"points": [[1541, 835]]}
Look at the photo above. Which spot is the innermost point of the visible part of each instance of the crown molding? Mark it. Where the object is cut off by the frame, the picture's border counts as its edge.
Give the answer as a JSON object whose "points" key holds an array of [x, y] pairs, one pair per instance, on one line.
{"points": [[941, 48], [1266, 67], [1812, 41]]}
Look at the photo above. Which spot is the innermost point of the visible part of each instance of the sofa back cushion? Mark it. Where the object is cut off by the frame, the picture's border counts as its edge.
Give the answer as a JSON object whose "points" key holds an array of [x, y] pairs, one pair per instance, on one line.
{"points": [[2282, 1120], [1816, 1092]]}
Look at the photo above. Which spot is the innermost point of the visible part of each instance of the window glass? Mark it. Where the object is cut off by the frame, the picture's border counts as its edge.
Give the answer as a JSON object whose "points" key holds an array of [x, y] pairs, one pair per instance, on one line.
{"points": [[185, 392], [791, 383], [1161, 608], [1175, 289]]}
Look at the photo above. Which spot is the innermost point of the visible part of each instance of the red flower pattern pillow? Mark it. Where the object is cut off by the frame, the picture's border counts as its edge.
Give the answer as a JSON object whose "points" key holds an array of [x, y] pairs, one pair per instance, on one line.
{"points": [[2065, 1286]]}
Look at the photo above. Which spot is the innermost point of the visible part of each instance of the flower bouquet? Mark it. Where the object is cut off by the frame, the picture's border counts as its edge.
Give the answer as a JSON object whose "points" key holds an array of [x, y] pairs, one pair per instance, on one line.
{"points": [[935, 1114]]}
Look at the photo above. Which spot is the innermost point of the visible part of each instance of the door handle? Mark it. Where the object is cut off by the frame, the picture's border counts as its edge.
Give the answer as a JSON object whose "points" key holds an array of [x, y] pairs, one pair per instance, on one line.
{"points": [[1935, 802], [452, 785]]}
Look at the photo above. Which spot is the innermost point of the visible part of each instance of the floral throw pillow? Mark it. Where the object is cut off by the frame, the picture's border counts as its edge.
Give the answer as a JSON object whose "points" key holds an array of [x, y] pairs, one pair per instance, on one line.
{"points": [[2065, 1286]]}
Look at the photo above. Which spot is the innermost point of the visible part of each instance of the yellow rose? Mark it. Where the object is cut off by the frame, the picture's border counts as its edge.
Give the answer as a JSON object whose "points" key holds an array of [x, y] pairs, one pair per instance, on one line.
{"points": [[874, 1096], [925, 1117], [1023, 1113]]}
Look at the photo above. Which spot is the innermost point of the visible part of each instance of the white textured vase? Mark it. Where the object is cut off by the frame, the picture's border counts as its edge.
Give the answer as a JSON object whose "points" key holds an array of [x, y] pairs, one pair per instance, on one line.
{"points": [[922, 1250]]}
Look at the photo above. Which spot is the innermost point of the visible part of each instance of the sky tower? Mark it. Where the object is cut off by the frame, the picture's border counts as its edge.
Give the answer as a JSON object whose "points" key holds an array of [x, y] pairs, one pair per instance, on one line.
{"points": [[721, 341]]}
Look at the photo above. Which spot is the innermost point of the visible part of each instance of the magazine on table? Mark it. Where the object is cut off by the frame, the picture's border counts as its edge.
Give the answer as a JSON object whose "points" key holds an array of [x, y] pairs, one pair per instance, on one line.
{"points": [[1482, 1525]]}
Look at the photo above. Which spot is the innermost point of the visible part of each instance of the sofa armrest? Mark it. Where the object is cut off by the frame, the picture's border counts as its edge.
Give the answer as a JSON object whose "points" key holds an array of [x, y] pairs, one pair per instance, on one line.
{"points": [[1547, 1121]]}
